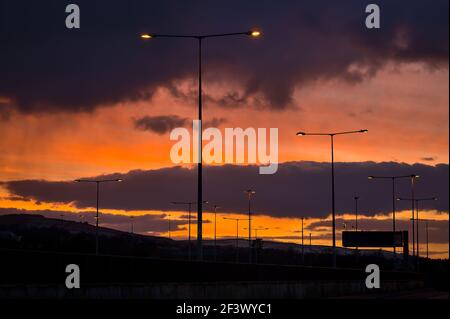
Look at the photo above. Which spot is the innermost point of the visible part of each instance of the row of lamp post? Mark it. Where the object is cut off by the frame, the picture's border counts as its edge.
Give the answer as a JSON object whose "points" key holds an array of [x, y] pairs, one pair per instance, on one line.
{"points": [[415, 209], [249, 194], [415, 222], [255, 34], [199, 38]]}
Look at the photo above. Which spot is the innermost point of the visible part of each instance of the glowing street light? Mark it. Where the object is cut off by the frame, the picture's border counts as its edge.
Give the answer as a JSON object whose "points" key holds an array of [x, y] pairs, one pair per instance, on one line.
{"points": [[333, 208], [255, 33], [200, 38]]}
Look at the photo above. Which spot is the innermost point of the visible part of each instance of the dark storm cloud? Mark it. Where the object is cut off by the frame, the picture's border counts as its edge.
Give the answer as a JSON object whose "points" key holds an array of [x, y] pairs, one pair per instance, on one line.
{"points": [[160, 124], [46, 67], [429, 158], [165, 123], [141, 224], [297, 189]]}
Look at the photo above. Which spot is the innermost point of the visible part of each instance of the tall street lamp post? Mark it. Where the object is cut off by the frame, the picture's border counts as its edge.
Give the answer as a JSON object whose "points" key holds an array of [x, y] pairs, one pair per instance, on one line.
{"points": [[200, 38], [97, 183], [333, 207], [393, 179]]}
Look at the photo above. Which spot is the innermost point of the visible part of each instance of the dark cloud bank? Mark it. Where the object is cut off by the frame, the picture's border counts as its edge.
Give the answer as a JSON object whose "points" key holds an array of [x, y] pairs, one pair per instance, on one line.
{"points": [[46, 67], [165, 123], [297, 189]]}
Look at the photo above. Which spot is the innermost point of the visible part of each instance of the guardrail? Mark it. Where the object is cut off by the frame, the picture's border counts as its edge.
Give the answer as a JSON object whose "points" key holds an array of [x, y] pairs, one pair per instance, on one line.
{"points": [[39, 267]]}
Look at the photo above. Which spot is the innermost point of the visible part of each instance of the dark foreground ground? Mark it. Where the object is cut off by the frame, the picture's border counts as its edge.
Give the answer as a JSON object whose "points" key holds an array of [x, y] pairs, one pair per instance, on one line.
{"points": [[35, 252]]}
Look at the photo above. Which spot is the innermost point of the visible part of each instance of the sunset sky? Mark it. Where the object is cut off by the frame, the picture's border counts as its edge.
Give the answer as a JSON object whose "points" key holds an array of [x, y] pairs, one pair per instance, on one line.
{"points": [[98, 101]]}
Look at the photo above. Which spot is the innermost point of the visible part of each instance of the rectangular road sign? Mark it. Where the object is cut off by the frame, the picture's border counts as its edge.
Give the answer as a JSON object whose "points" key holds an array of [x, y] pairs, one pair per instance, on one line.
{"points": [[373, 239]]}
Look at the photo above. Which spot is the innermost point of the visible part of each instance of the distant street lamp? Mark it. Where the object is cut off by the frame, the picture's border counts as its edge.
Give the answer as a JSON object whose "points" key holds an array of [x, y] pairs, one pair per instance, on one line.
{"points": [[237, 234], [333, 207], [200, 38], [249, 193], [168, 215], [215, 231], [356, 212], [416, 201], [189, 221], [303, 246], [256, 238], [97, 183], [393, 179], [426, 230], [132, 224], [255, 230]]}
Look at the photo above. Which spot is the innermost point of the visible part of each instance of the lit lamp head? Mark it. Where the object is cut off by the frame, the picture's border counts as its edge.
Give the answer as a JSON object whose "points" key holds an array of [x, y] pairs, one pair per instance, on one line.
{"points": [[363, 131], [254, 33], [146, 36], [301, 133]]}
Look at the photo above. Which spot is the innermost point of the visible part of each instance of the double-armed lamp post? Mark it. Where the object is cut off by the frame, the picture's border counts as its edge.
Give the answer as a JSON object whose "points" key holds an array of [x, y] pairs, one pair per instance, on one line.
{"points": [[97, 182], [200, 38], [333, 206], [393, 179], [416, 219]]}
